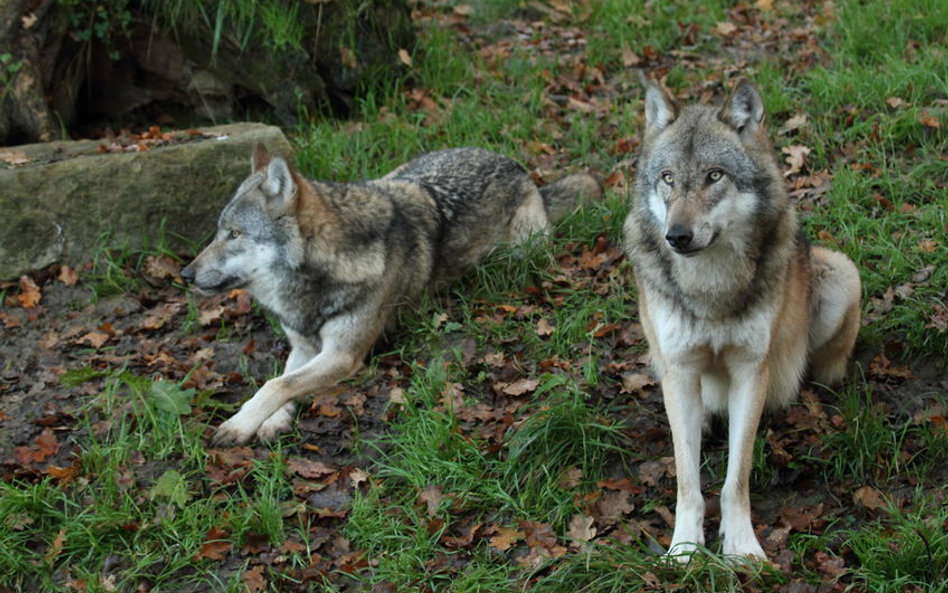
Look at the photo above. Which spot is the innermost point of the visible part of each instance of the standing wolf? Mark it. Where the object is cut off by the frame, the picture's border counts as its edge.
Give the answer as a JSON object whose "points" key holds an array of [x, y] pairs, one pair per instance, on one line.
{"points": [[334, 261], [733, 300]]}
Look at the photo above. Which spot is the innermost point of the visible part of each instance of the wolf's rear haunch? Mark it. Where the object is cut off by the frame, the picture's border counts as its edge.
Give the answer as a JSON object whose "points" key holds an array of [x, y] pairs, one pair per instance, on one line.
{"points": [[733, 300], [334, 261]]}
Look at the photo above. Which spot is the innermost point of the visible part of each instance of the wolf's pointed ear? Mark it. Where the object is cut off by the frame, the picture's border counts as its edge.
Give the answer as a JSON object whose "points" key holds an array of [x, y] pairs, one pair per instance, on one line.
{"points": [[279, 186], [744, 110], [660, 109], [259, 158]]}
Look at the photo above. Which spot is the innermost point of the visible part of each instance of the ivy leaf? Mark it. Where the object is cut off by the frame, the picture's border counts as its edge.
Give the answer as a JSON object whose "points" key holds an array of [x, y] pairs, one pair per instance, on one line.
{"points": [[173, 486], [170, 397]]}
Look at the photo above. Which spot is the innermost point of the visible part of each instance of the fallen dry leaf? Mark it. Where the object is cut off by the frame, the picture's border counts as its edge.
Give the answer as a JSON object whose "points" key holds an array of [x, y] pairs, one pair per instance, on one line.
{"points": [[895, 102], [65, 474], [544, 328], [636, 382], [215, 546], [938, 318], [539, 535], [95, 339], [651, 472], [45, 446], [725, 28], [929, 121], [357, 476], [801, 518], [310, 469], [831, 566], [30, 294], [464, 540], [57, 548], [614, 504], [432, 497], [397, 396], [518, 387], [505, 537], [793, 124], [161, 267], [348, 58], [869, 497], [581, 528], [562, 6], [14, 157], [67, 275], [629, 57], [796, 158], [254, 580], [614, 180], [571, 478], [210, 316], [623, 484], [404, 57]]}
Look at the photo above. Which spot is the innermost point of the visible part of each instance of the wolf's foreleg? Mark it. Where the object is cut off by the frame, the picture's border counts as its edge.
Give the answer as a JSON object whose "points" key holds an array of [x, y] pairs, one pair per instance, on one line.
{"points": [[681, 388], [281, 421], [749, 383], [345, 341]]}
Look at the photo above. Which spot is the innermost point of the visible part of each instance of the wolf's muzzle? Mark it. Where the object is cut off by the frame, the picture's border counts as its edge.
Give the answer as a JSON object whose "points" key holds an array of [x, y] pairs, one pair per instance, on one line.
{"points": [[187, 274]]}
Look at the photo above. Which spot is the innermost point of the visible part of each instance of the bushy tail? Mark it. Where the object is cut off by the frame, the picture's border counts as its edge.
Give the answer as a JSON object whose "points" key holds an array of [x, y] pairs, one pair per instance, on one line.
{"points": [[563, 195]]}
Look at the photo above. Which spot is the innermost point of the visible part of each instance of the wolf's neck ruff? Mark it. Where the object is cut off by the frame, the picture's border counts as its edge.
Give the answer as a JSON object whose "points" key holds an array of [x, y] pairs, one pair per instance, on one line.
{"points": [[727, 280]]}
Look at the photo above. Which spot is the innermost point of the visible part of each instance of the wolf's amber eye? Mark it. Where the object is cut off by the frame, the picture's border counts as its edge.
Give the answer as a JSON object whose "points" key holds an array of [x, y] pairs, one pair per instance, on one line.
{"points": [[715, 175], [233, 234], [668, 178]]}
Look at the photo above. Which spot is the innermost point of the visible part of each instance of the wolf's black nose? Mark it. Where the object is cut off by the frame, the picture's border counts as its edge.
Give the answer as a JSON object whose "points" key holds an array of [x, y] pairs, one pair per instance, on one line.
{"points": [[187, 274], [679, 237]]}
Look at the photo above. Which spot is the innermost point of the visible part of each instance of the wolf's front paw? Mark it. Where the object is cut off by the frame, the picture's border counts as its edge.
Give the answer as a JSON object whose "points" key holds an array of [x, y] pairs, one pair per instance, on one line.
{"points": [[682, 552], [745, 546], [232, 432], [280, 422]]}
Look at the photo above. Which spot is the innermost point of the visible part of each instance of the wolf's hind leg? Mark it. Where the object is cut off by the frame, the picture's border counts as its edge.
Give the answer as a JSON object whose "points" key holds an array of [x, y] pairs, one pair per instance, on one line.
{"points": [[835, 323], [529, 218]]}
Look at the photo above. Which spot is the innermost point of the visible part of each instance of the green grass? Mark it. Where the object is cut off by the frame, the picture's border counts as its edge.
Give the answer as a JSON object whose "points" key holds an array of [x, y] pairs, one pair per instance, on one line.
{"points": [[896, 157], [429, 447], [869, 446], [154, 522], [637, 24], [116, 267], [907, 549], [613, 567], [872, 445], [564, 433]]}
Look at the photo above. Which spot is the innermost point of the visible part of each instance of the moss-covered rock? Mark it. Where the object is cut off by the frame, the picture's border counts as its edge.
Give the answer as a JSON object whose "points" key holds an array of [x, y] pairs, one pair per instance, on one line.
{"points": [[58, 206]]}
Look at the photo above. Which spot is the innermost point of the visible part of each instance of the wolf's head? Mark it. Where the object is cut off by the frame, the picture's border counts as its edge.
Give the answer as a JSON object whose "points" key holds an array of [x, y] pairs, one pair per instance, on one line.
{"points": [[706, 173], [256, 232]]}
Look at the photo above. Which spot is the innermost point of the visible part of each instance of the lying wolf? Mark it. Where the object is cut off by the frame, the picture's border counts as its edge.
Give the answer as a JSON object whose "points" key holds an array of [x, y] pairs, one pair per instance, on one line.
{"points": [[733, 300], [334, 261]]}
